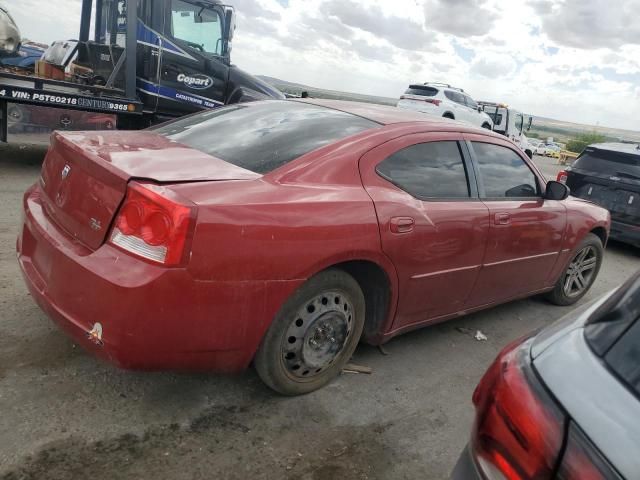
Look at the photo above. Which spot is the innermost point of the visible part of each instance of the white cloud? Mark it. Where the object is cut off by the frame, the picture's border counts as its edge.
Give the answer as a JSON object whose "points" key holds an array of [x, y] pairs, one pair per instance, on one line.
{"points": [[576, 60]]}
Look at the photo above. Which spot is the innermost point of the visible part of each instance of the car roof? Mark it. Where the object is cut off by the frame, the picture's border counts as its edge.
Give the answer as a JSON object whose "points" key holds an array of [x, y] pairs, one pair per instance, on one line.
{"points": [[388, 115], [629, 148]]}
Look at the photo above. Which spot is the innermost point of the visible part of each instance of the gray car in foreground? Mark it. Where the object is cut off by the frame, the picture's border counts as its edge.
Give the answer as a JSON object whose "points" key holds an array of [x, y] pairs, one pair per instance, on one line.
{"points": [[564, 404]]}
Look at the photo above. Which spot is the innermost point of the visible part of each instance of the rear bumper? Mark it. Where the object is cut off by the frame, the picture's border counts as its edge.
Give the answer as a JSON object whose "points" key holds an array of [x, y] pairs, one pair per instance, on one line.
{"points": [[624, 232], [152, 317], [466, 468]]}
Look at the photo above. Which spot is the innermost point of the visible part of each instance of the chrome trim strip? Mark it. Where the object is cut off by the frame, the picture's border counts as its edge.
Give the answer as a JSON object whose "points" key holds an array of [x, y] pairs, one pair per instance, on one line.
{"points": [[520, 259], [441, 272]]}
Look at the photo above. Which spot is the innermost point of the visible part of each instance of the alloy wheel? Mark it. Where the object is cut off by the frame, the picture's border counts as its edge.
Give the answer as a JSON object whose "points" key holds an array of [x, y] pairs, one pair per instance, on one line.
{"points": [[580, 272], [317, 334]]}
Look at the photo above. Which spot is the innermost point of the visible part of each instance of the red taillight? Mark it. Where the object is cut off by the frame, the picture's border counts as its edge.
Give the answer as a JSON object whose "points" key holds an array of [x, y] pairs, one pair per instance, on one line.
{"points": [[434, 101], [519, 430], [581, 461], [562, 177], [153, 224]]}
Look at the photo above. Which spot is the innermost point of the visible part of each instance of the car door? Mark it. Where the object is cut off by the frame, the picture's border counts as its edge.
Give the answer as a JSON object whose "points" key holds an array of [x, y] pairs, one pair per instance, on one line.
{"points": [[433, 226], [193, 73], [454, 104], [526, 232]]}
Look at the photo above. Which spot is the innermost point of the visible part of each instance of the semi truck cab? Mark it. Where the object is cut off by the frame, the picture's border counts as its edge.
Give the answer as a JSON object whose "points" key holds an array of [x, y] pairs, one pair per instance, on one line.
{"points": [[183, 61]]}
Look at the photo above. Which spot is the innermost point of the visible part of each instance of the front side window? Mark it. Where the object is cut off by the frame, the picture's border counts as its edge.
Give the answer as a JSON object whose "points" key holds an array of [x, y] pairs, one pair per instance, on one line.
{"points": [[519, 121], [471, 103], [503, 173], [197, 26], [428, 170]]}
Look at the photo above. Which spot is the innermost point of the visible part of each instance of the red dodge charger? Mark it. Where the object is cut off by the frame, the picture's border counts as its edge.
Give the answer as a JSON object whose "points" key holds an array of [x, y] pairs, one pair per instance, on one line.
{"points": [[284, 232]]}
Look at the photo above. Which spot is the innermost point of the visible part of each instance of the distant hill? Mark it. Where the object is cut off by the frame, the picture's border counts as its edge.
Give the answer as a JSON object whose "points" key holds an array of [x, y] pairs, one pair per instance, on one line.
{"points": [[297, 88], [544, 127]]}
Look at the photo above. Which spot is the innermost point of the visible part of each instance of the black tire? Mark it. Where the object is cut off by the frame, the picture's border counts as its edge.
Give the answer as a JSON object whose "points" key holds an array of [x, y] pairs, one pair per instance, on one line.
{"points": [[563, 293], [448, 115], [316, 330], [487, 126]]}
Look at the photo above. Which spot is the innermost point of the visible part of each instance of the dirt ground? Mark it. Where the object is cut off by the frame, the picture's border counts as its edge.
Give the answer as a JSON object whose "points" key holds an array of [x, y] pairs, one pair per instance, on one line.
{"points": [[64, 414]]}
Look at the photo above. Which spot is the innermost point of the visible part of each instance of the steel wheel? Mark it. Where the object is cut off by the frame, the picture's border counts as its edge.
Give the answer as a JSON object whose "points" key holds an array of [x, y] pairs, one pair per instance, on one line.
{"points": [[317, 334], [313, 335], [579, 275]]}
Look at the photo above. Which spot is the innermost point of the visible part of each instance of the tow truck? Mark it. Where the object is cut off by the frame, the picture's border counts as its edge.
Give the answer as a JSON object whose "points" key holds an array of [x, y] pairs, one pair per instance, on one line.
{"points": [[511, 123], [149, 61]]}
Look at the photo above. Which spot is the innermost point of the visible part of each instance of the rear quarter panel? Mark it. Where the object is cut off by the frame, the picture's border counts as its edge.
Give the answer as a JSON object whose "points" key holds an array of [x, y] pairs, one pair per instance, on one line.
{"points": [[582, 217]]}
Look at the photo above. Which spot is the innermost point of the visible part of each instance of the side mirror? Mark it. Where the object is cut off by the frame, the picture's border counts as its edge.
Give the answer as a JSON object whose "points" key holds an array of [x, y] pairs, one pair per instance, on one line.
{"points": [[479, 109], [229, 23], [229, 29], [556, 191]]}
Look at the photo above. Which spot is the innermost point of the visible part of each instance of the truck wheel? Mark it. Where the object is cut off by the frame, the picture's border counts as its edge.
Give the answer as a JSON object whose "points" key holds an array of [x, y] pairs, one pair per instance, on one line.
{"points": [[313, 335], [582, 271]]}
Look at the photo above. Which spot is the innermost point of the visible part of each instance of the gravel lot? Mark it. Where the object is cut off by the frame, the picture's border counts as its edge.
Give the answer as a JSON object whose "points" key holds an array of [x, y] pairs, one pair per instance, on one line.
{"points": [[64, 414]]}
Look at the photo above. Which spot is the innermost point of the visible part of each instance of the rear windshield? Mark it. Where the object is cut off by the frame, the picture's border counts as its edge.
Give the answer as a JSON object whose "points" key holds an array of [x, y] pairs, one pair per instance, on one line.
{"points": [[264, 136], [609, 163], [422, 91]]}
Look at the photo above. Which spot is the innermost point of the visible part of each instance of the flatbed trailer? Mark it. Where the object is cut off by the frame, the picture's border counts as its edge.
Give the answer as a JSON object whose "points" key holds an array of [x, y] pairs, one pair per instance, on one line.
{"points": [[38, 91]]}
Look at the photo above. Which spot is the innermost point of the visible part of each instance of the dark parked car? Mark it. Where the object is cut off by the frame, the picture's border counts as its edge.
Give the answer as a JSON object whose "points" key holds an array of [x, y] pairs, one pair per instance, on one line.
{"points": [[284, 232], [564, 404], [609, 174]]}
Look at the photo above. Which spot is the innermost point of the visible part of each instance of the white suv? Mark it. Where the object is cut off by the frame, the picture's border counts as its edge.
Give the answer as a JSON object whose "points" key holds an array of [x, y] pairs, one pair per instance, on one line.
{"points": [[443, 100]]}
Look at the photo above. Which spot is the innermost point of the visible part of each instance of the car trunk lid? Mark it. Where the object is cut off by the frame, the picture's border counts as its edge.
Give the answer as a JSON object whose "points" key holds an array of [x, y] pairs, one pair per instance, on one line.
{"points": [[85, 175]]}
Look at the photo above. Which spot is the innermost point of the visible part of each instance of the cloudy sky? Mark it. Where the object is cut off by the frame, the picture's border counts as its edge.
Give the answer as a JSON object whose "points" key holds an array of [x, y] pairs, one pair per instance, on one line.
{"points": [[574, 60]]}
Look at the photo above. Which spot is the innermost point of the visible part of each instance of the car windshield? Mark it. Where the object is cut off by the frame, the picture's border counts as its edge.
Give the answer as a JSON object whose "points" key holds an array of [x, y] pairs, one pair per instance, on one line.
{"points": [[264, 136], [197, 26]]}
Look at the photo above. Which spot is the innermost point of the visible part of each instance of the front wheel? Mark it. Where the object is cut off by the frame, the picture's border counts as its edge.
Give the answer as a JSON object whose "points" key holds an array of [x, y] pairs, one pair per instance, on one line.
{"points": [[313, 335], [487, 126], [582, 271]]}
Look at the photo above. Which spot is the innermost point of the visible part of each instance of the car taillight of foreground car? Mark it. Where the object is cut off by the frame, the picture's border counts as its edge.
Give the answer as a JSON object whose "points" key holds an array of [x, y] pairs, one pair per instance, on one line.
{"points": [[519, 432], [154, 224]]}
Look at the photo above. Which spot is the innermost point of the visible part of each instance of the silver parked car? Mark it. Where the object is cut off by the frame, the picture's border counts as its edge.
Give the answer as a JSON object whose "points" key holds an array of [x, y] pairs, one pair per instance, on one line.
{"points": [[9, 33], [564, 404]]}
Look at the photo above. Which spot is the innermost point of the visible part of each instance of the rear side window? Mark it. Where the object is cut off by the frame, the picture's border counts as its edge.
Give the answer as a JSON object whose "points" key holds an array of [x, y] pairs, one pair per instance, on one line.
{"points": [[264, 136], [503, 173], [428, 170], [422, 91], [609, 163]]}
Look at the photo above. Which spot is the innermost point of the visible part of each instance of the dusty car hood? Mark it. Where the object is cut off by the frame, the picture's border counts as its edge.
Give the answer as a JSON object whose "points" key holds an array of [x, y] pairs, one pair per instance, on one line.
{"points": [[151, 156]]}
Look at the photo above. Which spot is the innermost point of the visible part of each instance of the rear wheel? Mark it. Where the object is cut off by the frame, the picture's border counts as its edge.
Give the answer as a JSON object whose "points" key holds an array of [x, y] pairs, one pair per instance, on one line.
{"points": [[314, 334], [448, 115], [581, 273], [487, 126]]}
